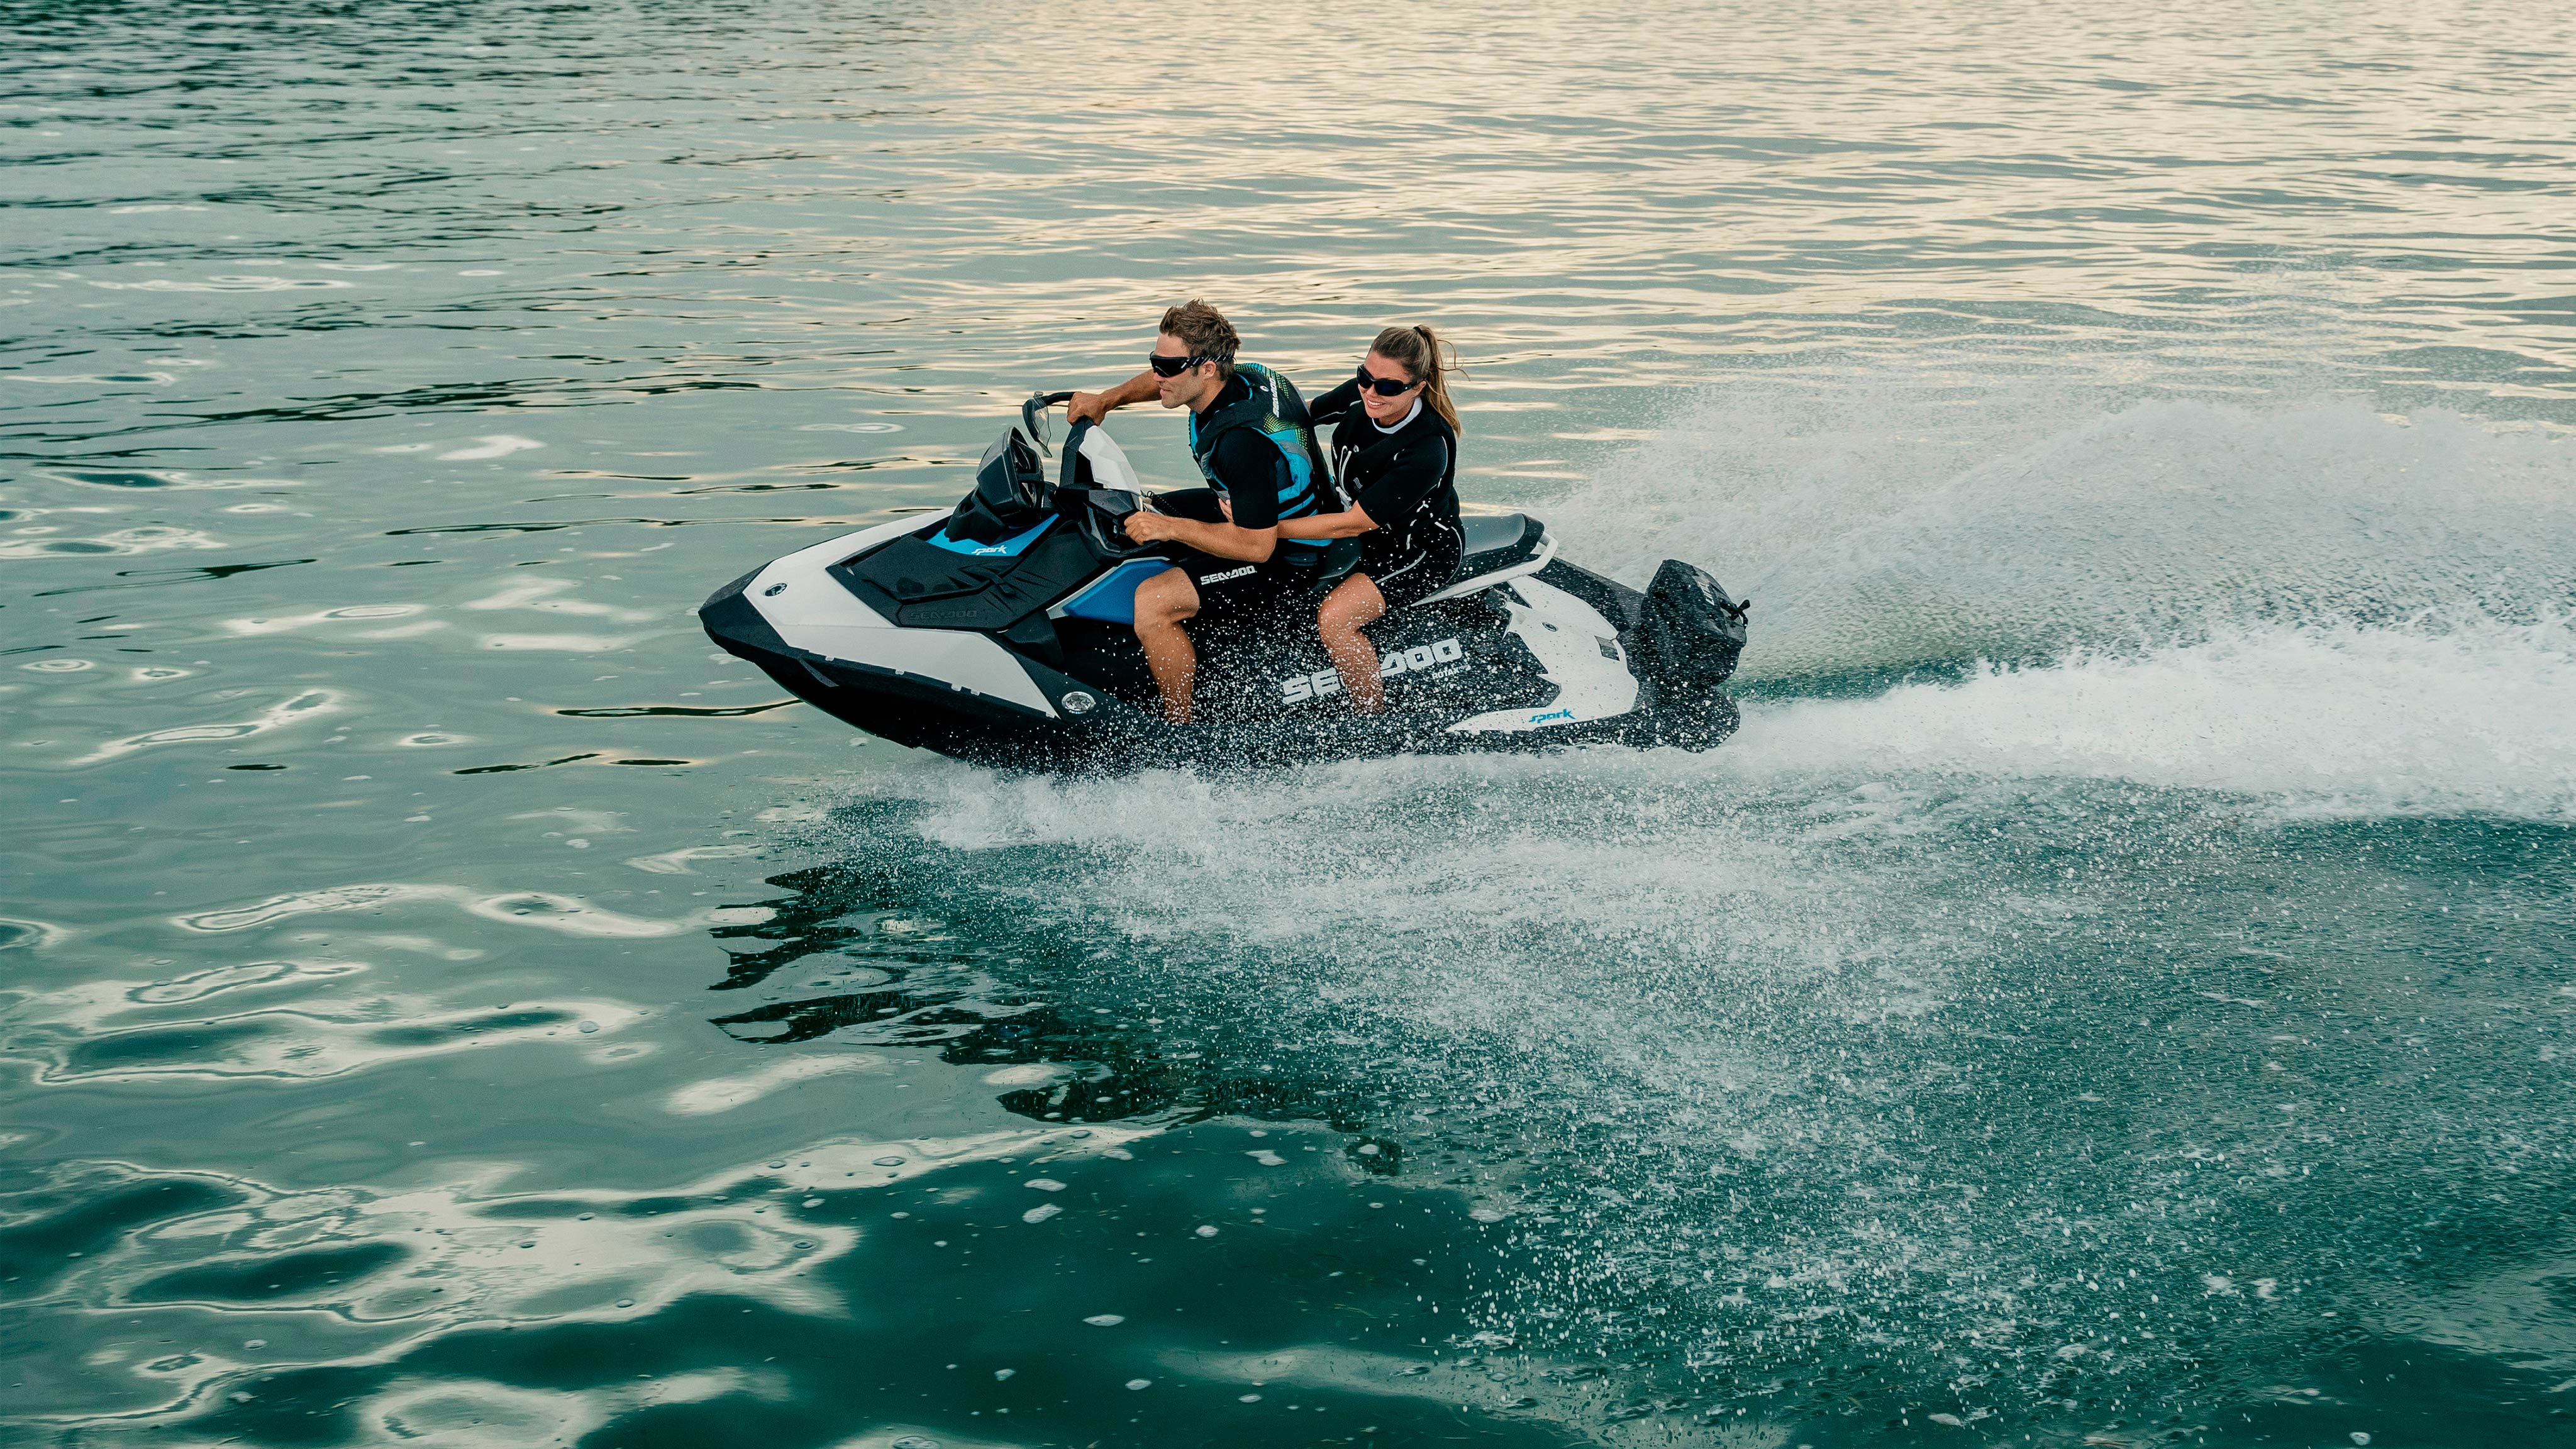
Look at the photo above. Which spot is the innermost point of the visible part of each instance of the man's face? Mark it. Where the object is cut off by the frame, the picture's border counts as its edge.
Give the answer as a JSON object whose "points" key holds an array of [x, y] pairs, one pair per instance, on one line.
{"points": [[1192, 387]]}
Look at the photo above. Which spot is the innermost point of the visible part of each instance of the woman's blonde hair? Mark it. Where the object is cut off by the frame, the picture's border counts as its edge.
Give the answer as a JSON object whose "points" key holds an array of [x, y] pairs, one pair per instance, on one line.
{"points": [[1417, 351]]}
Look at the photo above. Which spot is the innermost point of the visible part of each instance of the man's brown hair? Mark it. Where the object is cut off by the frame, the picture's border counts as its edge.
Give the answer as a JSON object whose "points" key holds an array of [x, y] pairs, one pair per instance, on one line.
{"points": [[1204, 330]]}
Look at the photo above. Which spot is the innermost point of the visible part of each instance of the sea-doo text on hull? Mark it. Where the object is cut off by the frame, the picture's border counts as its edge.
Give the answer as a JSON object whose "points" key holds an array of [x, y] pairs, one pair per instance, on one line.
{"points": [[1003, 634]]}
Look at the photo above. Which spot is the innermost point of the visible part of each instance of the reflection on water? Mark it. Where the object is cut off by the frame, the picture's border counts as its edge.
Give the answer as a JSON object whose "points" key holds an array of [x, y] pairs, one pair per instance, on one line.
{"points": [[868, 969], [346, 1313]]}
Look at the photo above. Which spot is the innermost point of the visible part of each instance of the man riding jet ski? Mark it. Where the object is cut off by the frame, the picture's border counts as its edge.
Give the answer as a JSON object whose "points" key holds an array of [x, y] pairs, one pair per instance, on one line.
{"points": [[1236, 571], [1003, 633]]}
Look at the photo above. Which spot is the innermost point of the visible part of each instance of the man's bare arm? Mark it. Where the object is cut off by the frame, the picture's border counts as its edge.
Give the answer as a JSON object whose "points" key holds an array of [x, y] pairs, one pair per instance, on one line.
{"points": [[1094, 406], [1225, 540], [1328, 525]]}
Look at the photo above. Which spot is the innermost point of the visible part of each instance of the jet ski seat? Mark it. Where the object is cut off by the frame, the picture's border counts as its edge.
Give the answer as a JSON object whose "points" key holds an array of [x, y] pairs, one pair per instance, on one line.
{"points": [[1491, 532], [1491, 541]]}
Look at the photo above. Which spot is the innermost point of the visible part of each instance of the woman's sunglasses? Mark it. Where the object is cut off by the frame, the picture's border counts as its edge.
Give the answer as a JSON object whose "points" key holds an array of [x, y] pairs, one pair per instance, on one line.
{"points": [[1173, 366], [1384, 386]]}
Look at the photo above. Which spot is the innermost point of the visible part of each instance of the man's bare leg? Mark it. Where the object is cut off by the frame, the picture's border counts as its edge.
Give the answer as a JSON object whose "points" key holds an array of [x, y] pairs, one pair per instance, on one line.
{"points": [[1162, 602], [1354, 604]]}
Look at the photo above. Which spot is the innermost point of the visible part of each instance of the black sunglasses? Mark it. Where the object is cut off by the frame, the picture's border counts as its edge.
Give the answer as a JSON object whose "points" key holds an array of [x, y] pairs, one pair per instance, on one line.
{"points": [[1384, 386], [1173, 366]]}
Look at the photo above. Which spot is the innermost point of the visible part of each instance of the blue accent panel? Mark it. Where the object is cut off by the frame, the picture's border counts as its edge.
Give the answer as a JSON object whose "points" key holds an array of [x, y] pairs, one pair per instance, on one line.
{"points": [[1111, 599], [1298, 498], [1007, 548]]}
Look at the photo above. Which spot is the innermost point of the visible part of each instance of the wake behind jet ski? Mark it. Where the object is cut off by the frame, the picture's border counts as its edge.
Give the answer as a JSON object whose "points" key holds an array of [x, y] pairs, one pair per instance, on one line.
{"points": [[1002, 634]]}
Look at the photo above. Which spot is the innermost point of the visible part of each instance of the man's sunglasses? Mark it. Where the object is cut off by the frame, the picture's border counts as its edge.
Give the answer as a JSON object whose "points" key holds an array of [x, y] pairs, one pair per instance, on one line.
{"points": [[1384, 386], [1173, 366]]}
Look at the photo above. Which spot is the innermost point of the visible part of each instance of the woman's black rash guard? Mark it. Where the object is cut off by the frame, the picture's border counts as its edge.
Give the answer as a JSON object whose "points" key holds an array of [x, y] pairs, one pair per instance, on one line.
{"points": [[1406, 481]]}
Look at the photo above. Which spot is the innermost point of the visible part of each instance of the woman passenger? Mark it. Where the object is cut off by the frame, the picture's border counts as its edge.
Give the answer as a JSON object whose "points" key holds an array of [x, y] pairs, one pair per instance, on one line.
{"points": [[1395, 450]]}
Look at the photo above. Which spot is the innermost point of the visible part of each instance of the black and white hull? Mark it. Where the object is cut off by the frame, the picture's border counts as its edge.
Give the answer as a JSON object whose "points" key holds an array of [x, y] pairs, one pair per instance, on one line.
{"points": [[1004, 636]]}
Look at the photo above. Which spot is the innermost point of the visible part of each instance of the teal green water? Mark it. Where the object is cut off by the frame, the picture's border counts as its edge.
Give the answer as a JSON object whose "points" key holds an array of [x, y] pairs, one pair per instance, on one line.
{"points": [[2114, 991]]}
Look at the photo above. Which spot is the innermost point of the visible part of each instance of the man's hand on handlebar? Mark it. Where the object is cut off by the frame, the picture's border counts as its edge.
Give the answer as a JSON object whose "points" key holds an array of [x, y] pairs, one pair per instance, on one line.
{"points": [[1147, 527], [1095, 406]]}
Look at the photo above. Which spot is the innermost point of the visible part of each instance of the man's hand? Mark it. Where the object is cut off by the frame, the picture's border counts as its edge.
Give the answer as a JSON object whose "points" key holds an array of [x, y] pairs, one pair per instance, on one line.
{"points": [[1225, 540], [1094, 406], [1150, 527]]}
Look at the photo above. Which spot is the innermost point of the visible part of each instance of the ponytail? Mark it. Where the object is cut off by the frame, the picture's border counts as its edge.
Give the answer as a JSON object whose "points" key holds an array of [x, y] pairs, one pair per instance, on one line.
{"points": [[1418, 350]]}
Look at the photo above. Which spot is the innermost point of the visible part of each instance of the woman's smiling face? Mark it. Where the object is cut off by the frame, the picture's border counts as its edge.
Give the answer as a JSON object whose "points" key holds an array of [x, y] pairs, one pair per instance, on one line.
{"points": [[1387, 409]]}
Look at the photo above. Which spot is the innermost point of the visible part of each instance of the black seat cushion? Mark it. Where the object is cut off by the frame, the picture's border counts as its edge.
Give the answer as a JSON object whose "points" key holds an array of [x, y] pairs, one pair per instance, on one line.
{"points": [[1496, 540]]}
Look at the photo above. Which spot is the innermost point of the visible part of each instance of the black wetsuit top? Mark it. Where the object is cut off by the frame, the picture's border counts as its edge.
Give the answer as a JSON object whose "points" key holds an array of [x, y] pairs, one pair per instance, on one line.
{"points": [[1406, 481], [1252, 472], [1250, 469]]}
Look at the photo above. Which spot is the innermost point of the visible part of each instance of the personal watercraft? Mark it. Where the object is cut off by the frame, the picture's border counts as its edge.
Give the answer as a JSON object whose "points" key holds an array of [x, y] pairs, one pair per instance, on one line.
{"points": [[1002, 633]]}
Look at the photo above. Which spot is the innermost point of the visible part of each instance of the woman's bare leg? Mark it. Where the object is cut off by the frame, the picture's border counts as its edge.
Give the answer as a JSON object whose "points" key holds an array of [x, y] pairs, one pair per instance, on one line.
{"points": [[1352, 606]]}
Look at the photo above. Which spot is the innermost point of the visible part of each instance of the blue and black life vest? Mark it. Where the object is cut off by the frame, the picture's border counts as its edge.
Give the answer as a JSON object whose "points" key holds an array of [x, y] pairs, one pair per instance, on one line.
{"points": [[1271, 406]]}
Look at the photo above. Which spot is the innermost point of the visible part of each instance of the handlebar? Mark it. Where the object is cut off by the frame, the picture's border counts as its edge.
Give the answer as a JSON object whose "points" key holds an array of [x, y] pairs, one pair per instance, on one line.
{"points": [[1033, 417], [1105, 509], [1102, 508]]}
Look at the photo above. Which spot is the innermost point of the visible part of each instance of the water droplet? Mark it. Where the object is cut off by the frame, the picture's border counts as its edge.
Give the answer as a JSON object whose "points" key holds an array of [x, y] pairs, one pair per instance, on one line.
{"points": [[1106, 1320]]}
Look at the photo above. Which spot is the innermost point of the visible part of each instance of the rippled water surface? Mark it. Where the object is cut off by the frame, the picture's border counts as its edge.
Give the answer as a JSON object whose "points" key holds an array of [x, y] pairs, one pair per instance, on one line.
{"points": [[2115, 990]]}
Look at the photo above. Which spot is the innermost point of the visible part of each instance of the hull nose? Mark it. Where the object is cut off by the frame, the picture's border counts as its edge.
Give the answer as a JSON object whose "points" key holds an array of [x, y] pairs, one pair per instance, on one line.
{"points": [[897, 699], [738, 628]]}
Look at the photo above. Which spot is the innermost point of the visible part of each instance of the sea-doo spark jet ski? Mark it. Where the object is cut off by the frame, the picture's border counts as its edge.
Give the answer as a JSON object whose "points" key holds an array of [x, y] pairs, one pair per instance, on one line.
{"points": [[1003, 633]]}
